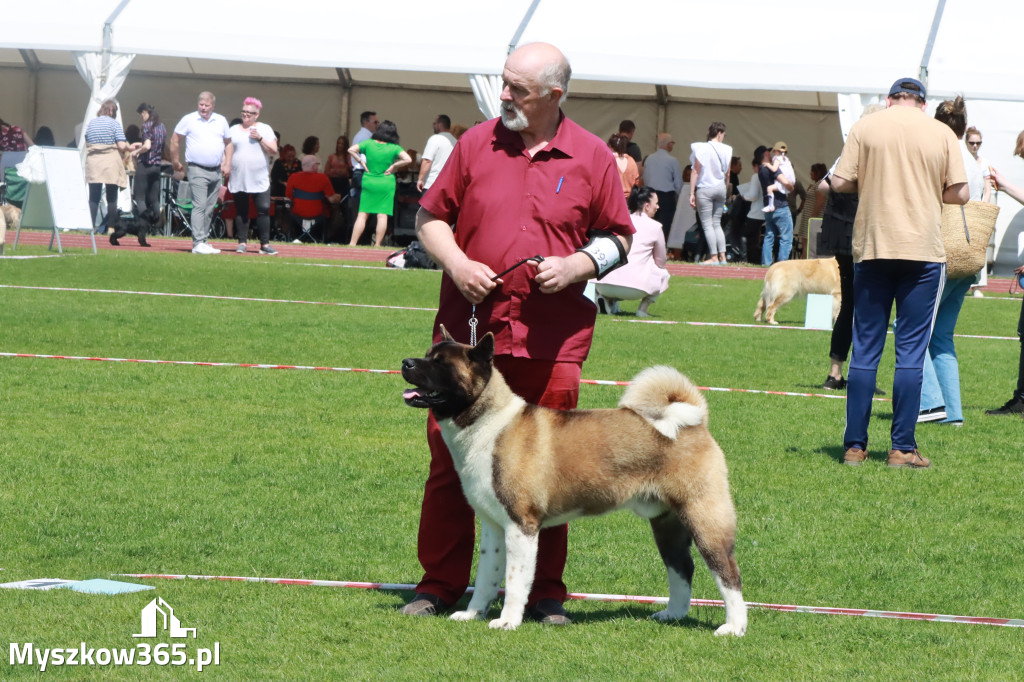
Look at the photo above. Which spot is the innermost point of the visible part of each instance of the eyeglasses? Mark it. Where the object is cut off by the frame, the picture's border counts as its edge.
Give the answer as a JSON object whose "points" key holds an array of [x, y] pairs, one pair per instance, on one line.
{"points": [[249, 113], [975, 144]]}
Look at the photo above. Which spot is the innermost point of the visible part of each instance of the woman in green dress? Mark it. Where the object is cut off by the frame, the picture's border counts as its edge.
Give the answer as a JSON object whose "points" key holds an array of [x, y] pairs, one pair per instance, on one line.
{"points": [[381, 157]]}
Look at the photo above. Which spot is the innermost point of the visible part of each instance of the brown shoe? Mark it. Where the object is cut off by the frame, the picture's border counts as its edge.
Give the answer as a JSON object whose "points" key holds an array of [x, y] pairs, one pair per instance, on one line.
{"points": [[548, 612], [908, 460], [854, 457], [425, 604]]}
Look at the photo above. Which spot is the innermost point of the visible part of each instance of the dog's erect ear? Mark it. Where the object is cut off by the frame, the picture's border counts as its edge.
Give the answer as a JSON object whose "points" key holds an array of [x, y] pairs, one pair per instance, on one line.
{"points": [[445, 336], [483, 351]]}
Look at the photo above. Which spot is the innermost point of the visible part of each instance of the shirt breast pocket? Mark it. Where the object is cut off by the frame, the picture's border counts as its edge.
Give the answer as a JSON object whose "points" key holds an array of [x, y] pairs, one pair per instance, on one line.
{"points": [[568, 210]]}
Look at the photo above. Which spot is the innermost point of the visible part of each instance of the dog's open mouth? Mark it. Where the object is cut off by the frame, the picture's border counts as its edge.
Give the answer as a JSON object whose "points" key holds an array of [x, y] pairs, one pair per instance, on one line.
{"points": [[418, 397]]}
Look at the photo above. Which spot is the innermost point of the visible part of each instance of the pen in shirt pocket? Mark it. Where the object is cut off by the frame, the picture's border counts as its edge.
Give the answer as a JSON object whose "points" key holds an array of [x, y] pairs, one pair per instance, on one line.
{"points": [[559, 188]]}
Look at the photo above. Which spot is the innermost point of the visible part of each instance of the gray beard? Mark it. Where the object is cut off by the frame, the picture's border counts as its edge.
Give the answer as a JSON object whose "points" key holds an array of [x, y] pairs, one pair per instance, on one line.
{"points": [[513, 118]]}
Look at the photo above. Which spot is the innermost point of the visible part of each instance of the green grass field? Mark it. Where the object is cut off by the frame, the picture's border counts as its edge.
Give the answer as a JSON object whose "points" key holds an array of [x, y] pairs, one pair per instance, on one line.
{"points": [[110, 468]]}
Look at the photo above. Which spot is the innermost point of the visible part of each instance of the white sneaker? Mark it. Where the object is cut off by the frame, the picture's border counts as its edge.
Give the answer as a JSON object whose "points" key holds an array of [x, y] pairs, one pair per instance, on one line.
{"points": [[204, 248]]}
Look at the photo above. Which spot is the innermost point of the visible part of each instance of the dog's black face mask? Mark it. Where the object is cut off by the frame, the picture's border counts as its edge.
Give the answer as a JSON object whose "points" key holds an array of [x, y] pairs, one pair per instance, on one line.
{"points": [[450, 377]]}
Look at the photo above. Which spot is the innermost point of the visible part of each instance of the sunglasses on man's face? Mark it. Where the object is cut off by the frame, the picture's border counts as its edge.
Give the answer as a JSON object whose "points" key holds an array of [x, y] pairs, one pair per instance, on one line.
{"points": [[975, 144]]}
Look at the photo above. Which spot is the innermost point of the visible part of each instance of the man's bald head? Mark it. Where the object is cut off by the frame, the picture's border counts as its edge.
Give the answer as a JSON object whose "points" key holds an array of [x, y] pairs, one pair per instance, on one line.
{"points": [[543, 64]]}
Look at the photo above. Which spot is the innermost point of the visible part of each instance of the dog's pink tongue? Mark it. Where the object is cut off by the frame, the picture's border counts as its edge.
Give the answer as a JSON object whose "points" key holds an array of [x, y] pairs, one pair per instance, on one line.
{"points": [[410, 393]]}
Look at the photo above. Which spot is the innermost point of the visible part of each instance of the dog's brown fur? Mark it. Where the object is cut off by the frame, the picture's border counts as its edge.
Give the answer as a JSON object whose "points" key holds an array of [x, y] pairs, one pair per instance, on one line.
{"points": [[525, 467], [10, 217], [789, 278]]}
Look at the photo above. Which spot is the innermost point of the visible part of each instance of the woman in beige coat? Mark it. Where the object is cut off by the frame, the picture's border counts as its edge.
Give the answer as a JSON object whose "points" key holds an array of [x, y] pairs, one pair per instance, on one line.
{"points": [[104, 166]]}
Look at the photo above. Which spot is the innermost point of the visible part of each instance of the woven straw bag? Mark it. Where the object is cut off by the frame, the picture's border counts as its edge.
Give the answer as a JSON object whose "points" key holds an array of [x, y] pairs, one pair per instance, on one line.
{"points": [[966, 231]]}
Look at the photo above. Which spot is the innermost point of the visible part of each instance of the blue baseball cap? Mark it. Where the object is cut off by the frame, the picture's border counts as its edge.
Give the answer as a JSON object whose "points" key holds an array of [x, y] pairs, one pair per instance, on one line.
{"points": [[911, 86]]}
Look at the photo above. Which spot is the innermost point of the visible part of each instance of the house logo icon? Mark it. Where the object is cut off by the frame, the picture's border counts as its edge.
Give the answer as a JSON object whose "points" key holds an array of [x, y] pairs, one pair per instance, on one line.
{"points": [[170, 621]]}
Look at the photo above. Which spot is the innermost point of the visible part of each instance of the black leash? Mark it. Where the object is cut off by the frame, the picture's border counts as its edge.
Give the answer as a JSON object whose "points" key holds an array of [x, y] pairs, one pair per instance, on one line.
{"points": [[472, 318], [539, 259]]}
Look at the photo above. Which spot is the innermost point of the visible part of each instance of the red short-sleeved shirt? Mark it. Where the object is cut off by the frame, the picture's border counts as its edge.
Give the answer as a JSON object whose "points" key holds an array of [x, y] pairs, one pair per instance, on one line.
{"points": [[305, 189], [505, 207]]}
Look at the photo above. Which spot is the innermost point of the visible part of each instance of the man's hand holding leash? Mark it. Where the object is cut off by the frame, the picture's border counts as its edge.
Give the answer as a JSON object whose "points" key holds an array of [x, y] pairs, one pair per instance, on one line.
{"points": [[474, 280]]}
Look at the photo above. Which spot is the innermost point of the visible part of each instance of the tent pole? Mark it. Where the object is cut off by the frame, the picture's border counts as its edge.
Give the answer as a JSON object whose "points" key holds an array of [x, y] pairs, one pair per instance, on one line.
{"points": [[108, 34], [346, 103], [32, 63], [927, 56], [661, 92], [345, 80], [522, 25]]}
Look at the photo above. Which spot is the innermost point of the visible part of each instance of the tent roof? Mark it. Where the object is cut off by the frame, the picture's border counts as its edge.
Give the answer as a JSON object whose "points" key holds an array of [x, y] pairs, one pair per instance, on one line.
{"points": [[699, 50]]}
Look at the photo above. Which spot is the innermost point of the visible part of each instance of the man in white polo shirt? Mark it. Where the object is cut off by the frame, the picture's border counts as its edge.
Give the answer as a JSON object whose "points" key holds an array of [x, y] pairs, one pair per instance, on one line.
{"points": [[205, 134], [435, 153]]}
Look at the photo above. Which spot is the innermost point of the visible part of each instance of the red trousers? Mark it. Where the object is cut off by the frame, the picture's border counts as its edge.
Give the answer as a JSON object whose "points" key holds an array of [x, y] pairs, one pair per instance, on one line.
{"points": [[447, 526]]}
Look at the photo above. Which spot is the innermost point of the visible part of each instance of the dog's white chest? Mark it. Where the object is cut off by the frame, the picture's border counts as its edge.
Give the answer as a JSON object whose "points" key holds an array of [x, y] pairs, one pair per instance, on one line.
{"points": [[472, 452]]}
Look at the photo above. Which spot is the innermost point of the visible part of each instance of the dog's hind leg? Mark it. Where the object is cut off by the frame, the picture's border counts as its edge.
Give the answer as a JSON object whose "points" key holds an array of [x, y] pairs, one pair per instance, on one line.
{"points": [[520, 566], [774, 304], [759, 310], [489, 570], [715, 538], [674, 540]]}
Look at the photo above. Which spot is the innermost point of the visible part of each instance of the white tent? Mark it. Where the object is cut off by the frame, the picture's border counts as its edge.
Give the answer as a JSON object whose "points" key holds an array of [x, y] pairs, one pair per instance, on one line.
{"points": [[778, 71]]}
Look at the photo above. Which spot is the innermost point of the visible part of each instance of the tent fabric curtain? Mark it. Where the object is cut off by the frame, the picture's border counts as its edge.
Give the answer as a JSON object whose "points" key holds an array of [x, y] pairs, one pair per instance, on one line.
{"points": [[487, 91], [851, 106], [103, 86]]}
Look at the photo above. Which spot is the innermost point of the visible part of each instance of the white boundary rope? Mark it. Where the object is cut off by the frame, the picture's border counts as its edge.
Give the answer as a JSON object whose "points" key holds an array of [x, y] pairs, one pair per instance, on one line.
{"points": [[391, 307], [792, 328], [217, 298], [583, 596], [198, 363]]}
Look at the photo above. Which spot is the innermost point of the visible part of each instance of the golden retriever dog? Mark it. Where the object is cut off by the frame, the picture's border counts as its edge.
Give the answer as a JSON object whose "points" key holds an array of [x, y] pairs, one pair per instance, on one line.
{"points": [[790, 278], [10, 216]]}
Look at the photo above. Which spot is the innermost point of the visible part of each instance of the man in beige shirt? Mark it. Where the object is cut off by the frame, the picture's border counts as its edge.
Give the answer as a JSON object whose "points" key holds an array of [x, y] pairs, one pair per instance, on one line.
{"points": [[904, 165]]}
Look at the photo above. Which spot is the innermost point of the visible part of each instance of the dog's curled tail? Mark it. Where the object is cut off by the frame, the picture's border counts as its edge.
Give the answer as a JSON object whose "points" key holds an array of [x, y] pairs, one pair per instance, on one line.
{"points": [[667, 399]]}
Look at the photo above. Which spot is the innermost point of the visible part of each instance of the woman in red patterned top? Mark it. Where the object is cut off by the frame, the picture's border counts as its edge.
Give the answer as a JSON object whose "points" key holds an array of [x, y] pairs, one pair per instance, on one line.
{"points": [[13, 138]]}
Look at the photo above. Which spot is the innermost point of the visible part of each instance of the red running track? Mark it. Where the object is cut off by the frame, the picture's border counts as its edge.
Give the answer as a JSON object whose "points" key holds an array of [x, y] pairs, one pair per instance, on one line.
{"points": [[361, 253]]}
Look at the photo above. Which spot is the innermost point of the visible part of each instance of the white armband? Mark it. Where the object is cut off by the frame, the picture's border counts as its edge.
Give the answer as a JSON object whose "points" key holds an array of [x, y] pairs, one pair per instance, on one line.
{"points": [[605, 250]]}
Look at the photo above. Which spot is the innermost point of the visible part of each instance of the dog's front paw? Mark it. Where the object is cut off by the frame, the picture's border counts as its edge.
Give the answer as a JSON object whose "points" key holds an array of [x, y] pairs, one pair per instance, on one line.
{"points": [[731, 629], [667, 616], [465, 615], [504, 624]]}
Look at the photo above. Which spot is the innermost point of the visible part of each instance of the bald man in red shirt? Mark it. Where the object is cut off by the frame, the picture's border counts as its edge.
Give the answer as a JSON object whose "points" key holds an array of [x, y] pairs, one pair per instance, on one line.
{"points": [[531, 182]]}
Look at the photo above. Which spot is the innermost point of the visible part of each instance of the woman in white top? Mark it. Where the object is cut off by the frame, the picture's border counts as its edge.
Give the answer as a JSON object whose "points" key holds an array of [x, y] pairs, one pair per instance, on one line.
{"points": [[972, 140], [708, 191], [251, 145], [644, 275]]}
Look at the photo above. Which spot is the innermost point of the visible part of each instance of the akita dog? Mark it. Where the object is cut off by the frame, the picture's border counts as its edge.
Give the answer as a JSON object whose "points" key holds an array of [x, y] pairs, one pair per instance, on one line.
{"points": [[525, 467]]}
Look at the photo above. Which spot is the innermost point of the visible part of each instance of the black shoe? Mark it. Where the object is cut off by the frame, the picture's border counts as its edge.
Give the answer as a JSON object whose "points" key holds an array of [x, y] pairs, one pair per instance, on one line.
{"points": [[548, 612], [1012, 406], [933, 415], [833, 384], [425, 604]]}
